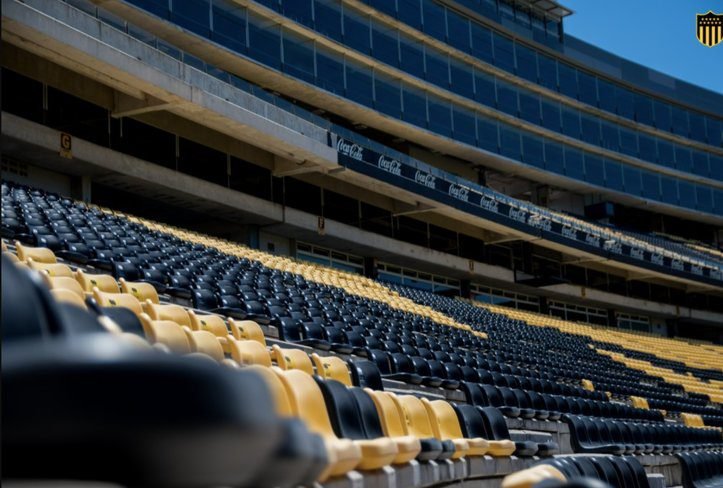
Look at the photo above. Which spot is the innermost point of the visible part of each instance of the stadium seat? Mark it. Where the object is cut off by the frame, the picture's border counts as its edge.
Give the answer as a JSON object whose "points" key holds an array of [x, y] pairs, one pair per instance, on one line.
{"points": [[92, 392], [332, 367], [446, 426], [125, 300], [307, 403], [141, 290], [249, 352], [420, 426], [289, 358], [105, 283]]}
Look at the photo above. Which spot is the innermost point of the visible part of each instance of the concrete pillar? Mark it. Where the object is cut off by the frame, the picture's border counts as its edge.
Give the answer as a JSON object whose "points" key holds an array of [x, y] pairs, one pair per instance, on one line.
{"points": [[86, 184], [252, 238], [465, 290], [370, 267]]}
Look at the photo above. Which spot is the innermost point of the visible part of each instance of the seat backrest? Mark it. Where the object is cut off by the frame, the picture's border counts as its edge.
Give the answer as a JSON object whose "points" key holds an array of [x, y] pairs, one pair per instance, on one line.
{"points": [[37, 254], [307, 401], [342, 409], [103, 282], [332, 367], [290, 358], [370, 418], [105, 299], [166, 332], [247, 330], [169, 311], [52, 269], [495, 424], [64, 295], [142, 291], [249, 352], [391, 419], [443, 418], [415, 416], [204, 342], [365, 374], [209, 322], [65, 283], [278, 391], [470, 421]]}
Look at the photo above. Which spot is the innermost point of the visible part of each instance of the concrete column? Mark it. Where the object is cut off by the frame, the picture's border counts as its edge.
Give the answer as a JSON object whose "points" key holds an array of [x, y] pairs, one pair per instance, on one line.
{"points": [[370, 267], [86, 184]]}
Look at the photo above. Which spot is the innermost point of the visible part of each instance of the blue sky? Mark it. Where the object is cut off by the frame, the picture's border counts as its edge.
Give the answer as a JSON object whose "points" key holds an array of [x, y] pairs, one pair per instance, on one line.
{"points": [[656, 33]]}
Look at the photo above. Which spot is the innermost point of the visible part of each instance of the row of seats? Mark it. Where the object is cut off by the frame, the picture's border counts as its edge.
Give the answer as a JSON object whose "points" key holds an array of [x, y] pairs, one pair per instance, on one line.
{"points": [[568, 352], [623, 471], [595, 435], [530, 404], [701, 469], [314, 396]]}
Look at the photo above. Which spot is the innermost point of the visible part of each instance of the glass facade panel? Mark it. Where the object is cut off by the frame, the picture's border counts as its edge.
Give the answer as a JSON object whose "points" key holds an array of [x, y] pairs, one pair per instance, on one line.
{"points": [[574, 167], [411, 59], [359, 86], [613, 175], [594, 170], [385, 47], [462, 80], [504, 52], [464, 126], [510, 143], [410, 12], [415, 106], [440, 117], [387, 95], [194, 15], [437, 69], [329, 72], [265, 41], [651, 185], [458, 31], [533, 151], [229, 24], [434, 22], [554, 158], [328, 18], [530, 108], [487, 135], [357, 33], [526, 63], [482, 43], [299, 57], [633, 180]]}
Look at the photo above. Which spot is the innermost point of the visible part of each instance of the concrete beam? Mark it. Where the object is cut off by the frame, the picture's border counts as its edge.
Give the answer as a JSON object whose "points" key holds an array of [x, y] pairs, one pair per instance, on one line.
{"points": [[126, 106], [419, 208]]}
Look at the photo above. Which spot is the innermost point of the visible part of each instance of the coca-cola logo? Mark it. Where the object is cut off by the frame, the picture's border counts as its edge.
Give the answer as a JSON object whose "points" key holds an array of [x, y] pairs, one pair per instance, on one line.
{"points": [[390, 165], [354, 151], [425, 179], [459, 192]]}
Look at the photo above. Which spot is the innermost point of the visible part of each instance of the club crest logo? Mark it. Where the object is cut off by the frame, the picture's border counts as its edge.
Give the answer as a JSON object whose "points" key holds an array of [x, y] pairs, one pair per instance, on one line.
{"points": [[709, 28]]}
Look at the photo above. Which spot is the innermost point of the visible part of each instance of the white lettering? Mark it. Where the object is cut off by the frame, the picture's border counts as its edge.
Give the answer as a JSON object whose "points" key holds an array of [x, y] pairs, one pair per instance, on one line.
{"points": [[637, 253], [459, 192], [656, 259], [518, 215], [390, 165], [425, 179], [349, 149]]}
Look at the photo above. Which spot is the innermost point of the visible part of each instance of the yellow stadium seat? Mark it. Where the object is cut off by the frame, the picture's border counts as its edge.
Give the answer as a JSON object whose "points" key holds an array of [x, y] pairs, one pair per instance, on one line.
{"points": [[246, 330], [530, 477], [37, 254], [142, 291], [105, 299], [165, 332], [289, 358], [408, 446], [64, 295], [307, 403], [65, 283], [172, 312], [249, 352], [52, 269], [278, 392], [103, 282], [419, 423], [213, 324], [203, 342], [446, 426], [332, 367]]}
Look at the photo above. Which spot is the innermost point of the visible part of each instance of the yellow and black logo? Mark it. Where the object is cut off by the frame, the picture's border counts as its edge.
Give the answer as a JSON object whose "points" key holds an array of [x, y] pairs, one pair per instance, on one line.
{"points": [[709, 28]]}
